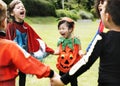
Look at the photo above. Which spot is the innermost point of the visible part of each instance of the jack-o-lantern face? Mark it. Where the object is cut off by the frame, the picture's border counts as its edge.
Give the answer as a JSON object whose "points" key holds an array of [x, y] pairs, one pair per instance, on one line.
{"points": [[66, 60]]}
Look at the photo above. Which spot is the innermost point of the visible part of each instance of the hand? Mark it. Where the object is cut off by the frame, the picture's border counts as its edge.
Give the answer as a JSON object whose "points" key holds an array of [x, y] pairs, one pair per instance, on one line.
{"points": [[55, 81], [81, 53]]}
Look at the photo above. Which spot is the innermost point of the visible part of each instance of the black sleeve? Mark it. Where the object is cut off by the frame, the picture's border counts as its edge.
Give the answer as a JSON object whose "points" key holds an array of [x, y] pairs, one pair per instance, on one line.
{"points": [[95, 53], [51, 73]]}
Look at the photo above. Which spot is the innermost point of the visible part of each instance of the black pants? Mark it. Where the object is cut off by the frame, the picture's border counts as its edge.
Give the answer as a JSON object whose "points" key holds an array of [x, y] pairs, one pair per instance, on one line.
{"points": [[22, 78], [73, 82]]}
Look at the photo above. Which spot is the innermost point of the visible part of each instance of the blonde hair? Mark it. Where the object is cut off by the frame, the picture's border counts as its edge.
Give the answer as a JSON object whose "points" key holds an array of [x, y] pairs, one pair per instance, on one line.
{"points": [[3, 11]]}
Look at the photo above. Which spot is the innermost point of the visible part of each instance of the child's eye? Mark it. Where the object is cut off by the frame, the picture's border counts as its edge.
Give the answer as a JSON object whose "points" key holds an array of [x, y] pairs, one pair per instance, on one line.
{"points": [[18, 7], [102, 1]]}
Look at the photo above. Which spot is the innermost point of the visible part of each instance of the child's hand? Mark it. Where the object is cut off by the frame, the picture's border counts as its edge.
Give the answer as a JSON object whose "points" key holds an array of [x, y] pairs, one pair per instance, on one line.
{"points": [[55, 81], [81, 53], [56, 52]]}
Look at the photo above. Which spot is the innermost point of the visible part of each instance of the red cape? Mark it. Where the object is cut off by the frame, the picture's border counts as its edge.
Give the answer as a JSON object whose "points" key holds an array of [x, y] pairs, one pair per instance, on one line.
{"points": [[33, 43]]}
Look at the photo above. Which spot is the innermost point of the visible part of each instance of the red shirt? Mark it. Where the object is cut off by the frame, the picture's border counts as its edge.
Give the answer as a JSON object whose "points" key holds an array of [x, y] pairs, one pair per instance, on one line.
{"points": [[12, 57]]}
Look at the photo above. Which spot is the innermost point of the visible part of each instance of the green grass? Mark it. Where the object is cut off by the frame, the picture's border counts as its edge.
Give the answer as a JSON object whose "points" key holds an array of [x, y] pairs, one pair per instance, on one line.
{"points": [[41, 20], [49, 33]]}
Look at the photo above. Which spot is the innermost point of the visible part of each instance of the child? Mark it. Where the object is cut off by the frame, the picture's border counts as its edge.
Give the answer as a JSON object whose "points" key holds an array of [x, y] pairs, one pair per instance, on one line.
{"points": [[68, 47], [12, 57], [22, 33], [106, 46], [101, 26]]}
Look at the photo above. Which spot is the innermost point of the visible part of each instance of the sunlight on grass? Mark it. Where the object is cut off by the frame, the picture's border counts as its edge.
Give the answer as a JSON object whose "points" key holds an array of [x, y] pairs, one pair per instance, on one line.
{"points": [[49, 33]]}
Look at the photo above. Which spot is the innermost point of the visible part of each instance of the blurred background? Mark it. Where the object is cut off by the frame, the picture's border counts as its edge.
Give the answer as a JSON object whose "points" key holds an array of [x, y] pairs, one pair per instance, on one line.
{"points": [[75, 9]]}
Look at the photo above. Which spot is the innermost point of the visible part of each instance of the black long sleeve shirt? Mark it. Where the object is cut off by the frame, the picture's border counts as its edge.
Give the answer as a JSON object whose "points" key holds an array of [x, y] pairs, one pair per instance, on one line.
{"points": [[108, 50]]}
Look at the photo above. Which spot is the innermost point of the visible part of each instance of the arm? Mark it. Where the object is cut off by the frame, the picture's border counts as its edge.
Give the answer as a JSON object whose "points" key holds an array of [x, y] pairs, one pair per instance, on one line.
{"points": [[100, 30], [82, 65], [28, 64], [57, 52], [80, 51]]}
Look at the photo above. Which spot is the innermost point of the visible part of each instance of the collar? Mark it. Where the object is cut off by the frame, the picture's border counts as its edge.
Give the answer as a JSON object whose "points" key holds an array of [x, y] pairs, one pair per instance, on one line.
{"points": [[2, 33], [20, 23]]}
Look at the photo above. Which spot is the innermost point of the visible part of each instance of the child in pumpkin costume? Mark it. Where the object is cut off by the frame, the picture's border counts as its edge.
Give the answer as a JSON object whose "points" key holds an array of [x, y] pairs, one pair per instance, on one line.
{"points": [[69, 47]]}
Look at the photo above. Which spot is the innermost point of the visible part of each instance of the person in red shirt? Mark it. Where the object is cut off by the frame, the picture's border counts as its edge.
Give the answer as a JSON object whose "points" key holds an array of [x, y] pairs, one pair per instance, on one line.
{"points": [[24, 35], [13, 57]]}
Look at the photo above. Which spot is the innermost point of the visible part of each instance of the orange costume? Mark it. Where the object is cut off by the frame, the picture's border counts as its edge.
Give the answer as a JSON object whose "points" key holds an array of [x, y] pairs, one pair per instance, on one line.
{"points": [[12, 57], [68, 56]]}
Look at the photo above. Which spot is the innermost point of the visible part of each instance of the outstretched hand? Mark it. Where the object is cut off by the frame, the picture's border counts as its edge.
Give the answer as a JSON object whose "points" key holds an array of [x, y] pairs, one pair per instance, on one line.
{"points": [[55, 81]]}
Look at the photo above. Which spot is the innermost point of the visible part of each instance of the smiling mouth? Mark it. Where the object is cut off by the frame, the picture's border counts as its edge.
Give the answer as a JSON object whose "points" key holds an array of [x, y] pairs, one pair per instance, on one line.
{"points": [[100, 10], [66, 66], [62, 34], [22, 13]]}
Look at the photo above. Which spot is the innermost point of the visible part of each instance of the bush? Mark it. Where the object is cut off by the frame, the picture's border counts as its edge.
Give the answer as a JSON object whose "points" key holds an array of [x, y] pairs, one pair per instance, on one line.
{"points": [[86, 15], [39, 8], [67, 13]]}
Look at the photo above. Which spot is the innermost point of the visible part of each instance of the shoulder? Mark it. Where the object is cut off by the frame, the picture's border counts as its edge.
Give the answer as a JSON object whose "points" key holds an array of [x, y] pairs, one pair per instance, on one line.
{"points": [[26, 24], [60, 40], [103, 35], [76, 40], [10, 24], [12, 48], [8, 43]]}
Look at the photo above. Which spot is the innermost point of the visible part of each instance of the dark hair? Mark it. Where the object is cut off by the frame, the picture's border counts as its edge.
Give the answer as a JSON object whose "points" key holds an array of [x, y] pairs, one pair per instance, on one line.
{"points": [[69, 24], [113, 7], [97, 2]]}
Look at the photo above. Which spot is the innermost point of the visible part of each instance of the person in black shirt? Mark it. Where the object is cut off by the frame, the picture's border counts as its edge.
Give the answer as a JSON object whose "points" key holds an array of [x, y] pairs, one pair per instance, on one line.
{"points": [[105, 46]]}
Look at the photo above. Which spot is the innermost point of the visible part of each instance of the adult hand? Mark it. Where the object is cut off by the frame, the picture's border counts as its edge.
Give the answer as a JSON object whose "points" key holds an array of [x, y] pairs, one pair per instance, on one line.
{"points": [[55, 81]]}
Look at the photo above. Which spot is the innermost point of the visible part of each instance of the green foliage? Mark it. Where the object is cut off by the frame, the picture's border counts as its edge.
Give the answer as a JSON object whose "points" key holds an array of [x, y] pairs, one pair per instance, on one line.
{"points": [[64, 8], [63, 13], [39, 8], [7, 1], [86, 15]]}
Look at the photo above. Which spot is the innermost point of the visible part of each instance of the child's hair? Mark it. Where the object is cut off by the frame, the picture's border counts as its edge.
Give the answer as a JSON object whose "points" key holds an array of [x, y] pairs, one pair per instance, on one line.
{"points": [[97, 2], [70, 23], [113, 7], [11, 7], [3, 11]]}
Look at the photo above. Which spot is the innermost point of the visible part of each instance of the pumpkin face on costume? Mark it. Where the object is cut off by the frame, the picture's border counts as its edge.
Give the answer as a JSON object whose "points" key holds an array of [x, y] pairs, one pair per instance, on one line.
{"points": [[67, 58]]}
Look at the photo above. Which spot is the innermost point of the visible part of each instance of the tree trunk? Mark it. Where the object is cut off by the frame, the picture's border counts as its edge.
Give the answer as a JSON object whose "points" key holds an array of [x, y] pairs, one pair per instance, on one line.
{"points": [[62, 4]]}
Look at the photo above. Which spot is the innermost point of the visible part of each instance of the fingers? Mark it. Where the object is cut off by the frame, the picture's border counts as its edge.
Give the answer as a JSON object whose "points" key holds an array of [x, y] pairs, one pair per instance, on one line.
{"points": [[56, 81]]}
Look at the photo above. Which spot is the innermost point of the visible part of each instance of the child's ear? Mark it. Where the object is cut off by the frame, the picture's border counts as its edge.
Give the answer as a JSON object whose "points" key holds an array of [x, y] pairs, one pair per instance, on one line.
{"points": [[71, 30], [107, 17]]}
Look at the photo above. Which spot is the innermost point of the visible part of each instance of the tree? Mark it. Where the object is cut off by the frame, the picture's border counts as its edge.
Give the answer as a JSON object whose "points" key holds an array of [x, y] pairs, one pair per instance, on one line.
{"points": [[62, 4]]}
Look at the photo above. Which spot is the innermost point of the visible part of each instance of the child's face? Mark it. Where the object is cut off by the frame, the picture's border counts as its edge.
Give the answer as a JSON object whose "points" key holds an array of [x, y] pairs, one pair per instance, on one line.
{"points": [[19, 12], [64, 31], [103, 14]]}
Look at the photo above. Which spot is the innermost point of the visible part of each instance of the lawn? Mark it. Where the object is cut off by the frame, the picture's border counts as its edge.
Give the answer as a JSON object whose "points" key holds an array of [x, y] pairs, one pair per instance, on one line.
{"points": [[85, 30]]}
